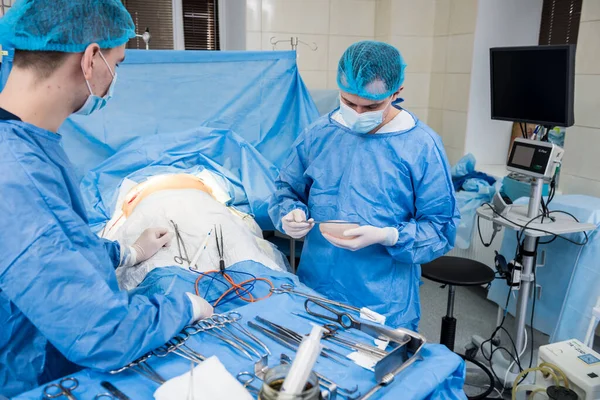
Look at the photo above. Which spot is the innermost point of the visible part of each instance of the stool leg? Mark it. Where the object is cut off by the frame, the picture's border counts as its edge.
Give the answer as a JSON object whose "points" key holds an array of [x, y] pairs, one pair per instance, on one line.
{"points": [[448, 334]]}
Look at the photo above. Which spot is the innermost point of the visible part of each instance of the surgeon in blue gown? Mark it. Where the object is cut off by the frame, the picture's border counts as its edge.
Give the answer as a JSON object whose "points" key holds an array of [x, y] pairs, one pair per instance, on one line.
{"points": [[60, 303], [376, 164]]}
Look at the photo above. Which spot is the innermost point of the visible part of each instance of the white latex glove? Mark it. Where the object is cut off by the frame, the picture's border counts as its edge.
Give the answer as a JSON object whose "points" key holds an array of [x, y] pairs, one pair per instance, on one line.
{"points": [[364, 236], [149, 242], [200, 308], [296, 225]]}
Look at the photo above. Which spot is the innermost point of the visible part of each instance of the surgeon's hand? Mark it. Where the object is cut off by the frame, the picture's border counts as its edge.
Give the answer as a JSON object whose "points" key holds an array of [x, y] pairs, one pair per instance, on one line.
{"points": [[200, 308], [296, 225], [363, 236], [150, 242]]}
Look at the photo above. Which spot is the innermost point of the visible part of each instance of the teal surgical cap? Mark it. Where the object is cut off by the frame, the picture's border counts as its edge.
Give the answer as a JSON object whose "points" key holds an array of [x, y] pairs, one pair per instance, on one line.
{"points": [[66, 25], [371, 70]]}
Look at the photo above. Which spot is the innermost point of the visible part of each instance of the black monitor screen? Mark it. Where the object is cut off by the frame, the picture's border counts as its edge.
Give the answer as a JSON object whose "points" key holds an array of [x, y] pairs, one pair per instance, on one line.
{"points": [[533, 84]]}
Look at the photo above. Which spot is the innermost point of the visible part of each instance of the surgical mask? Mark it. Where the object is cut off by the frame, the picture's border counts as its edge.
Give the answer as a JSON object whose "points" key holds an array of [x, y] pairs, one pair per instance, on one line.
{"points": [[361, 123], [93, 102]]}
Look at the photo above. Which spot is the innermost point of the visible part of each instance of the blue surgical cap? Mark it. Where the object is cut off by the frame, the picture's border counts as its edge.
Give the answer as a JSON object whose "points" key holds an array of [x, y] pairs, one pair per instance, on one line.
{"points": [[66, 25], [371, 70]]}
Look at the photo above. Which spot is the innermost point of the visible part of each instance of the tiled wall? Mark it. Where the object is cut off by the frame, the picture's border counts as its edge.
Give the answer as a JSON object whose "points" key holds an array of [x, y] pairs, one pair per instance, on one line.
{"points": [[581, 164], [332, 24], [453, 38], [7, 4], [409, 25]]}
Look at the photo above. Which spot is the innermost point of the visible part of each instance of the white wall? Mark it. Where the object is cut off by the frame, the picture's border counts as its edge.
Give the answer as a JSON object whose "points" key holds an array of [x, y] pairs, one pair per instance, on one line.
{"points": [[454, 31], [581, 164], [499, 23], [232, 24], [408, 25], [332, 24]]}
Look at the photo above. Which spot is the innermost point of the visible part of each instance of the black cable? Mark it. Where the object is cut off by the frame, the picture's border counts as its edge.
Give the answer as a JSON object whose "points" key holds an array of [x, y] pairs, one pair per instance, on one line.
{"points": [[521, 232], [552, 191], [566, 213], [481, 236], [531, 326], [487, 372], [523, 227], [545, 137], [516, 359], [498, 348], [549, 241], [522, 131], [533, 314]]}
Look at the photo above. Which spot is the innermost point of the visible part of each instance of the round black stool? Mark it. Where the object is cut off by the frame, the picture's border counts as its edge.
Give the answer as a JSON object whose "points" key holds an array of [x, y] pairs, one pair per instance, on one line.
{"points": [[455, 271]]}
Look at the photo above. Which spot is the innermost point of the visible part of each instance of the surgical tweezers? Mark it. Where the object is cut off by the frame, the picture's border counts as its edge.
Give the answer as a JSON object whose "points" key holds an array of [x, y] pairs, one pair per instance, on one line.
{"points": [[292, 340], [294, 335]]}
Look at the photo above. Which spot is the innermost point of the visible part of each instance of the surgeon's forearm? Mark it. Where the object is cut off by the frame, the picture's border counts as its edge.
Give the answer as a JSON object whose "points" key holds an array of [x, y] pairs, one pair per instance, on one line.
{"points": [[114, 251], [148, 323], [284, 201], [420, 242]]}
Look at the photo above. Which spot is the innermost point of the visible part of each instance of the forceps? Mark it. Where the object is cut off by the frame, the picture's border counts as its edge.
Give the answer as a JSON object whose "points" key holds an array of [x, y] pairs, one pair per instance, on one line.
{"points": [[178, 347], [220, 247], [287, 288], [246, 379], [63, 388], [233, 317], [180, 246]]}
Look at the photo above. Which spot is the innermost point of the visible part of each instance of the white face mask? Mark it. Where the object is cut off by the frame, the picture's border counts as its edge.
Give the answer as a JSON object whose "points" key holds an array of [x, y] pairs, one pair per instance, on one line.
{"points": [[361, 123]]}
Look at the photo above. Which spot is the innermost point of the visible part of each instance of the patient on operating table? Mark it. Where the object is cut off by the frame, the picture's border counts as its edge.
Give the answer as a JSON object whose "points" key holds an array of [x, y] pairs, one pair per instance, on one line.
{"points": [[193, 208]]}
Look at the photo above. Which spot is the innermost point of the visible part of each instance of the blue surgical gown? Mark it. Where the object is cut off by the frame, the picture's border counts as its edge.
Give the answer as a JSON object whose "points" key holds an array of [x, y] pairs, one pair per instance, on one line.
{"points": [[59, 297], [398, 179]]}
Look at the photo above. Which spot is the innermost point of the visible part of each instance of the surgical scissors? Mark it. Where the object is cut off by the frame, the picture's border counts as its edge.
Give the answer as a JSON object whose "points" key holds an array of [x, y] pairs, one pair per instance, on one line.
{"points": [[399, 336], [287, 288], [63, 388], [344, 319], [180, 245]]}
